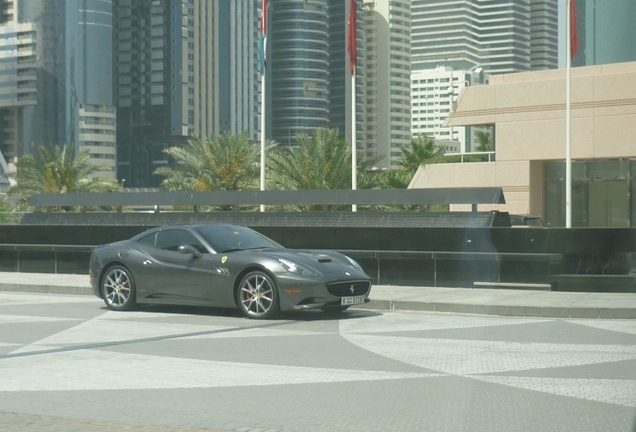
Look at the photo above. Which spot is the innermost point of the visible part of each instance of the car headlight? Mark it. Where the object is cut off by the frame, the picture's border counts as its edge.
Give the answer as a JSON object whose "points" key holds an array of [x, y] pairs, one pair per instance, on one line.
{"points": [[292, 267], [354, 263]]}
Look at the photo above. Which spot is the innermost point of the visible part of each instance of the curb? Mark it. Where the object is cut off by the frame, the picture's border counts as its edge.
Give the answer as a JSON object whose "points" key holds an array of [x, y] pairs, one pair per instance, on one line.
{"points": [[47, 289], [400, 305], [502, 310]]}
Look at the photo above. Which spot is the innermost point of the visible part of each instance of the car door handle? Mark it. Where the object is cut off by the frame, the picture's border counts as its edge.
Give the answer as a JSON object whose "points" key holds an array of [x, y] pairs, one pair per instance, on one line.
{"points": [[147, 262]]}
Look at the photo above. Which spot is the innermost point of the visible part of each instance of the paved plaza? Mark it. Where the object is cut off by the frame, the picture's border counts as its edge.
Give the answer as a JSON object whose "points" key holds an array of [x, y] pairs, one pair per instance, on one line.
{"points": [[67, 363]]}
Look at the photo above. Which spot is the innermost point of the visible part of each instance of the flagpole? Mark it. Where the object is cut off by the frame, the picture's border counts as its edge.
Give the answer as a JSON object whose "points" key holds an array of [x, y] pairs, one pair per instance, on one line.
{"points": [[263, 135], [354, 147], [351, 48], [263, 70], [568, 119]]}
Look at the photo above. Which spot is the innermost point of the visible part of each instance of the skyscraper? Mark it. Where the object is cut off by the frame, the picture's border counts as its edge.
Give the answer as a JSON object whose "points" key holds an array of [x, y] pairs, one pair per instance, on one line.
{"points": [[387, 84], [606, 32], [300, 48], [16, 37], [310, 80], [502, 36], [56, 74], [183, 68]]}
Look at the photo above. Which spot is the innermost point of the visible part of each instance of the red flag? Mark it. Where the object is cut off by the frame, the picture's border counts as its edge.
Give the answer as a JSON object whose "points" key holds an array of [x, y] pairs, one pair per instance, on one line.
{"points": [[574, 37], [263, 24], [262, 39], [352, 40]]}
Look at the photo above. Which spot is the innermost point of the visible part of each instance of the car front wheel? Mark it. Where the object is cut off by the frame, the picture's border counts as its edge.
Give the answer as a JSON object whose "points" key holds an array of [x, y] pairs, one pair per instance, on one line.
{"points": [[257, 296], [118, 289]]}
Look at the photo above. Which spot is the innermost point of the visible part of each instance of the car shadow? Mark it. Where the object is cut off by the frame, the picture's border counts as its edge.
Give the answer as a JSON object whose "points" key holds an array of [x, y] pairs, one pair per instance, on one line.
{"points": [[306, 315], [318, 315]]}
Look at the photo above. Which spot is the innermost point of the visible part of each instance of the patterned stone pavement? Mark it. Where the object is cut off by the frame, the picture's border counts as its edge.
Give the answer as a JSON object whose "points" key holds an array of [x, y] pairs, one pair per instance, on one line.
{"points": [[67, 363]]}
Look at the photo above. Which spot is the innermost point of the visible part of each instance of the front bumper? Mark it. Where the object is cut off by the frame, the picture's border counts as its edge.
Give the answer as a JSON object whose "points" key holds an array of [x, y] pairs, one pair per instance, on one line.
{"points": [[309, 293]]}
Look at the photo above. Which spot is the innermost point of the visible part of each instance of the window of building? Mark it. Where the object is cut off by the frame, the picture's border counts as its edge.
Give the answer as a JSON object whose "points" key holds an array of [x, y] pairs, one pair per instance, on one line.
{"points": [[603, 193]]}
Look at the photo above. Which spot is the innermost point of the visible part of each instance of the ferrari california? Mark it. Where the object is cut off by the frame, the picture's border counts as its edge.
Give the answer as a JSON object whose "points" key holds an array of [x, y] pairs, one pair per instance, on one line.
{"points": [[223, 265]]}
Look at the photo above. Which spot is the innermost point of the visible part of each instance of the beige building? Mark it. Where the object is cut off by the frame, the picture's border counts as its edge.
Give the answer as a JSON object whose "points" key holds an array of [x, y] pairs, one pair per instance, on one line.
{"points": [[529, 116]]}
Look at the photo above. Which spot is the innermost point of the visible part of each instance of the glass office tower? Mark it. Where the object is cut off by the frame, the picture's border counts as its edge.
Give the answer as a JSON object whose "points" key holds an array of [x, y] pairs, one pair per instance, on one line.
{"points": [[606, 32], [501, 36], [183, 68], [63, 90], [299, 68]]}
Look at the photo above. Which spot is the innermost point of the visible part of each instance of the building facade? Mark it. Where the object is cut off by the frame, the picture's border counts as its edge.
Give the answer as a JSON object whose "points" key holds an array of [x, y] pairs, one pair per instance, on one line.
{"points": [[433, 94], [311, 82], [339, 86], [606, 32], [527, 111], [300, 59], [473, 39], [56, 73], [387, 83], [183, 69], [501, 36]]}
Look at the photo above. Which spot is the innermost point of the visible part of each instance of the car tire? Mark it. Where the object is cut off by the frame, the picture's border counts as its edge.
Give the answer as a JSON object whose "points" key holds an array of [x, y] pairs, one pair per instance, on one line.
{"points": [[257, 296], [118, 289], [334, 309]]}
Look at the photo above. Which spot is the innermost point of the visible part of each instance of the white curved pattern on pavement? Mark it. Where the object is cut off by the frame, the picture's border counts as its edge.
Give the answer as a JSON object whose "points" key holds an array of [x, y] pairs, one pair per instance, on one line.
{"points": [[483, 359], [310, 372], [97, 370]]}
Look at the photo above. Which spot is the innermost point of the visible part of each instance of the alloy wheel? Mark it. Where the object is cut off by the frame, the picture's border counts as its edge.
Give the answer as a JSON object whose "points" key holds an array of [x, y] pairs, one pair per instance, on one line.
{"points": [[257, 296]]}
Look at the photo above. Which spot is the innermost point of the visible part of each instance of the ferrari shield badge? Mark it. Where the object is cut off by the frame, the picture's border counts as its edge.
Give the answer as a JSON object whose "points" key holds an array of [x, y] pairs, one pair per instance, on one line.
{"points": [[223, 260]]}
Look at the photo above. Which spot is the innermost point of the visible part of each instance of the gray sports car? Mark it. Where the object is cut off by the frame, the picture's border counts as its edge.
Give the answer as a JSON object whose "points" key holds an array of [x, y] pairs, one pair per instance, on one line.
{"points": [[224, 265]]}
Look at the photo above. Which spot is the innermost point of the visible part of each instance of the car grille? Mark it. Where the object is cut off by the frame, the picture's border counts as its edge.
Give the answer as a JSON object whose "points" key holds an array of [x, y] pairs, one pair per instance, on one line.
{"points": [[343, 289]]}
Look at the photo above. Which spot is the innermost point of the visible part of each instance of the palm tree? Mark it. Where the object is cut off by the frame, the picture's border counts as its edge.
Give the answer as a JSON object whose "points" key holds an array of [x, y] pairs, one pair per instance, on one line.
{"points": [[398, 179], [422, 151], [58, 170], [223, 162], [485, 145], [320, 161], [485, 141], [4, 208]]}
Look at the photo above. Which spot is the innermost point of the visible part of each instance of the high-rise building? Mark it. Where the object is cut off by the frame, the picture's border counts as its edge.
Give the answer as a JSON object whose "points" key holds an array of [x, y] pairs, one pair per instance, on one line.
{"points": [[15, 71], [310, 79], [183, 68], [501, 36], [339, 92], [433, 94], [238, 80], [300, 47], [544, 34], [387, 83], [56, 78], [606, 32], [310, 85]]}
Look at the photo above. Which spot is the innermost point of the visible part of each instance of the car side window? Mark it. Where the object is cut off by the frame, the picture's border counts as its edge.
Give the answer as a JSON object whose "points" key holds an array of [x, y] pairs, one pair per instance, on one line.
{"points": [[148, 240], [172, 239]]}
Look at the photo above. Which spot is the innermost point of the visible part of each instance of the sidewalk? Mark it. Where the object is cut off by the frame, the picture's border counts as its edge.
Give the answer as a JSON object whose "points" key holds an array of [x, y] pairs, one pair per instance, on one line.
{"points": [[509, 302]]}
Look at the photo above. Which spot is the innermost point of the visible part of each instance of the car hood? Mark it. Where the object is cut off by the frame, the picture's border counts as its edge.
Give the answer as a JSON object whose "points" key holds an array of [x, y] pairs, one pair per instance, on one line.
{"points": [[323, 261]]}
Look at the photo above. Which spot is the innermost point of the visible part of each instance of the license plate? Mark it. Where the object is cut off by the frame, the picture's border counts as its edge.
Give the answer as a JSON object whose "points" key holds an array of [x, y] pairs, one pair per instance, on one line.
{"points": [[346, 301]]}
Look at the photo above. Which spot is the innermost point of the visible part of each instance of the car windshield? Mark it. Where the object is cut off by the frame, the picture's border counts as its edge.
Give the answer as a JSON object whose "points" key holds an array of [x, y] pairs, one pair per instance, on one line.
{"points": [[228, 238]]}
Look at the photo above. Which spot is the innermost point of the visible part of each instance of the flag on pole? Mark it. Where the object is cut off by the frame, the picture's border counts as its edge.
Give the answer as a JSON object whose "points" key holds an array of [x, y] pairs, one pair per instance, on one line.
{"points": [[262, 39], [352, 39], [574, 37]]}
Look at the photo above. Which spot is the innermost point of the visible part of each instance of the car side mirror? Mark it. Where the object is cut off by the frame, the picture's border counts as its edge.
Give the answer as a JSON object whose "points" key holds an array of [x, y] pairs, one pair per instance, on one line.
{"points": [[189, 249]]}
